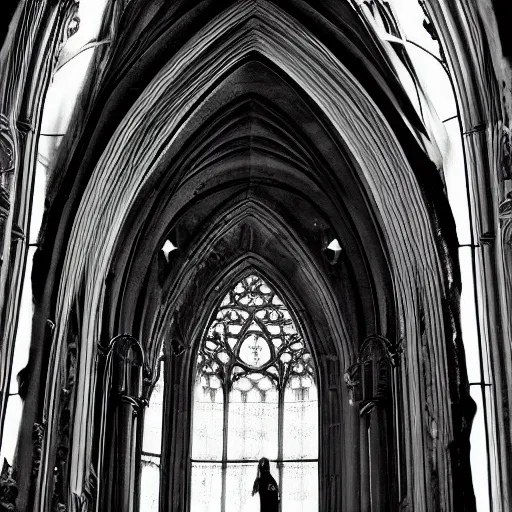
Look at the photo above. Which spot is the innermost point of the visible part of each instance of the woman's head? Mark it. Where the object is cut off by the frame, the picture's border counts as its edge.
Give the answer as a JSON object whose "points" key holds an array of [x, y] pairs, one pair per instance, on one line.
{"points": [[264, 465]]}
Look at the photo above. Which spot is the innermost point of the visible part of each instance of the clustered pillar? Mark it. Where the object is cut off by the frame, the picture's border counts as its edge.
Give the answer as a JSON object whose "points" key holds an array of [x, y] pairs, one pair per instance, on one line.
{"points": [[371, 386]]}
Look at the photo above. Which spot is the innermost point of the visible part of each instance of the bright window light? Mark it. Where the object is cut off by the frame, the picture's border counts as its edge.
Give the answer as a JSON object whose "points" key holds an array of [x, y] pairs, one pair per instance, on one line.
{"points": [[167, 248], [334, 245], [333, 251]]}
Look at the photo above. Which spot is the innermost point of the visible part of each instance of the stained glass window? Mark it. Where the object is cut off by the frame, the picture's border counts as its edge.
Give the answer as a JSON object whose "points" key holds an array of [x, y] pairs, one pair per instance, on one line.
{"points": [[255, 396]]}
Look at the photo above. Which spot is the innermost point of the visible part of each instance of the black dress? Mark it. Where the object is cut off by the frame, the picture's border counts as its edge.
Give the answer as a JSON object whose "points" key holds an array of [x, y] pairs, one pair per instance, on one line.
{"points": [[269, 493]]}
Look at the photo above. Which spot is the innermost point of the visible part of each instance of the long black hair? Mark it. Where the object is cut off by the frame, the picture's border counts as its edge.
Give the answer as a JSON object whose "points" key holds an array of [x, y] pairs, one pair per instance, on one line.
{"points": [[263, 468]]}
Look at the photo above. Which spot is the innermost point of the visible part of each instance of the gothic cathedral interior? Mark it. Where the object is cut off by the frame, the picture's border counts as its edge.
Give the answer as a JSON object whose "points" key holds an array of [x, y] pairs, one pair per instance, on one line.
{"points": [[255, 239]]}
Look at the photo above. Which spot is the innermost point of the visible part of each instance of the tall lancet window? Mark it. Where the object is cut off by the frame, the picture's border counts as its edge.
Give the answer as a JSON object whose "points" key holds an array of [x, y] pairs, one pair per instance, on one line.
{"points": [[151, 446], [255, 396]]}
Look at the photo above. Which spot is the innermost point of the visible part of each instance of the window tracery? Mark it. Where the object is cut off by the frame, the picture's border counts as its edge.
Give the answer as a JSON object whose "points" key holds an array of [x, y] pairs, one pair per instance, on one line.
{"points": [[253, 344]]}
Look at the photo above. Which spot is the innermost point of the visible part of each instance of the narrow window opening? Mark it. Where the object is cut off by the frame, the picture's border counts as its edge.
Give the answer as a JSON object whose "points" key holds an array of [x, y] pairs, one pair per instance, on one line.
{"points": [[167, 248], [151, 445], [333, 251]]}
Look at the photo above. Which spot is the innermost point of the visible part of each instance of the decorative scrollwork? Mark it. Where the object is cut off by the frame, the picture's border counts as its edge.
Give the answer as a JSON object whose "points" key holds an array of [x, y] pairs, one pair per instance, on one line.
{"points": [[66, 407], [7, 154], [38, 431], [8, 489], [253, 342], [506, 156], [6, 146]]}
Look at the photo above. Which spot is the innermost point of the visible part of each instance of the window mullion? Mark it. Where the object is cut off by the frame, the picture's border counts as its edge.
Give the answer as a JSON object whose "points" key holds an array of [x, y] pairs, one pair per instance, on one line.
{"points": [[225, 390], [280, 434]]}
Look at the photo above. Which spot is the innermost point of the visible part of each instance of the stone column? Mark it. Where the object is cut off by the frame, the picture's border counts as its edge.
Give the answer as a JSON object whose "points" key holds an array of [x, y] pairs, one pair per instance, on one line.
{"points": [[178, 397], [371, 384], [126, 406]]}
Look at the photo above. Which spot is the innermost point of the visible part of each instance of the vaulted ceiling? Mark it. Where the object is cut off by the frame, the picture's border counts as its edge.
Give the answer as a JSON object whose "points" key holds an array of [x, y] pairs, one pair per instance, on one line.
{"points": [[251, 134]]}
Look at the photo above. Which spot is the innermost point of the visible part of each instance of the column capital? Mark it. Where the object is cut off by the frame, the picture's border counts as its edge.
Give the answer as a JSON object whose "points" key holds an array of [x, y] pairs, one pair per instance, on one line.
{"points": [[128, 364], [368, 379]]}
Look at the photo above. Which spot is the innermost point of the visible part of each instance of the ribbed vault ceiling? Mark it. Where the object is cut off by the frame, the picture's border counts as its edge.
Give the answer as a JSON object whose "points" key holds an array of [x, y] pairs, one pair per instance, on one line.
{"points": [[265, 145]]}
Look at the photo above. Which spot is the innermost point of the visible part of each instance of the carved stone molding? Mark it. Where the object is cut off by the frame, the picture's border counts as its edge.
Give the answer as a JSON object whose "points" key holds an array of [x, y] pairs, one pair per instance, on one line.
{"points": [[506, 156], [38, 432], [125, 378], [178, 345], [405, 505], [151, 375], [6, 170], [5, 204], [333, 371], [6, 146], [59, 499], [246, 237], [24, 126], [73, 26], [70, 23], [17, 233], [353, 382]]}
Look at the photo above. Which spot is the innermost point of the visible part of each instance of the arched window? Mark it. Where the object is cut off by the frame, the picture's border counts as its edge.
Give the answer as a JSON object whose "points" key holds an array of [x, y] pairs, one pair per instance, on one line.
{"points": [[255, 395]]}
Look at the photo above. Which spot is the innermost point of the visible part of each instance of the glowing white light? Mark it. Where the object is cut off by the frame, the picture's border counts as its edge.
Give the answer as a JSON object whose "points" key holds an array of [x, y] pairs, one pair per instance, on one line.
{"points": [[167, 248], [334, 245]]}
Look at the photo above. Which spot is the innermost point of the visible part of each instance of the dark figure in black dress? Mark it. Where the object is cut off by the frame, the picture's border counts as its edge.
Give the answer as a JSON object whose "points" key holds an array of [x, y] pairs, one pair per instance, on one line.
{"points": [[267, 487]]}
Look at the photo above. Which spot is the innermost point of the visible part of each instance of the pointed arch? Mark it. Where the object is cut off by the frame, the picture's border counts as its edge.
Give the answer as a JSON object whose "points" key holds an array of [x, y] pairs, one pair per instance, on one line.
{"points": [[162, 112], [187, 329]]}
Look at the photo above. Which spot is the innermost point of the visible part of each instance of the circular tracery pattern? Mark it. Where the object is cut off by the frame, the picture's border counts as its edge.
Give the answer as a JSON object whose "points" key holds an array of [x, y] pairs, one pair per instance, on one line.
{"points": [[253, 343]]}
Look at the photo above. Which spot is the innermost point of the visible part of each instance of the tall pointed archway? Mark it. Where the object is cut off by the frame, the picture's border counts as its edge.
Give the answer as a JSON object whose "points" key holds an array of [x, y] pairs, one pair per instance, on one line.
{"points": [[255, 146]]}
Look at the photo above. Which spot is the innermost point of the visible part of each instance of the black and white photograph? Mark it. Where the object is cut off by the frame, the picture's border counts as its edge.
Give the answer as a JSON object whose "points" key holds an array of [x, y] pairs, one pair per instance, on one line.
{"points": [[255, 255]]}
